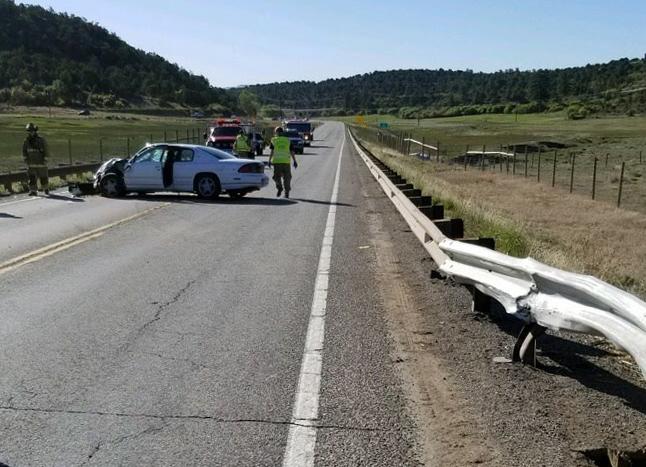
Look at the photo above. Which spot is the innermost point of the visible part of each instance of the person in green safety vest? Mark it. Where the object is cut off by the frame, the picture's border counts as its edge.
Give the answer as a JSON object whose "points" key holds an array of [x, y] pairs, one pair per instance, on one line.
{"points": [[241, 146], [281, 156]]}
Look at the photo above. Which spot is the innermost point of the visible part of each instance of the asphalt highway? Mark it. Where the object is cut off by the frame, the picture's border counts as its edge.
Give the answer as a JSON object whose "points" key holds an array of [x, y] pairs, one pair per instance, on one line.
{"points": [[163, 330]]}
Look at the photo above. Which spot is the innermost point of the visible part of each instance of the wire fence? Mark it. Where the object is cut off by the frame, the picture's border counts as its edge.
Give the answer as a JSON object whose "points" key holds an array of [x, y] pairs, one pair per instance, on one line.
{"points": [[601, 175], [70, 150]]}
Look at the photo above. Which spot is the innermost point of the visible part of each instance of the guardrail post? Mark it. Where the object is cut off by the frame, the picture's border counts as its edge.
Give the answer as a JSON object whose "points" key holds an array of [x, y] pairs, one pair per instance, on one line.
{"points": [[621, 183], [554, 170], [69, 149], [572, 160], [424, 147], [438, 151]]}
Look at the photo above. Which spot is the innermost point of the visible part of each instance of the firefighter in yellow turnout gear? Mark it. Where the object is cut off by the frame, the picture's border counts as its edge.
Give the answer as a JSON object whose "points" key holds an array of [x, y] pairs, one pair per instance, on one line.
{"points": [[281, 156], [35, 154], [241, 146]]}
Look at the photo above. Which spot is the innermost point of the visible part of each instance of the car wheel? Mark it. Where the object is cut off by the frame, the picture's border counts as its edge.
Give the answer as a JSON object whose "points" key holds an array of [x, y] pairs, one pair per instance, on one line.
{"points": [[112, 186], [207, 186]]}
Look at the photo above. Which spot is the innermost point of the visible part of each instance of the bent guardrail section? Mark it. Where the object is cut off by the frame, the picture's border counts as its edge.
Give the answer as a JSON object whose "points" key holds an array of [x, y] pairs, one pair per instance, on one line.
{"points": [[529, 290], [7, 179]]}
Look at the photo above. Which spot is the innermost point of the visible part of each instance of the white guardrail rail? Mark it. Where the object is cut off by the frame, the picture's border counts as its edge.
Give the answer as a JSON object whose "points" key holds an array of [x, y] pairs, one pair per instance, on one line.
{"points": [[529, 290]]}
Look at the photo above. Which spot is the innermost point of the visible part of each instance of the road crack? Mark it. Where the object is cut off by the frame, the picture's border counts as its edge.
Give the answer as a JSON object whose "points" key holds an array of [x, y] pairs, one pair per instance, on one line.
{"points": [[161, 307], [210, 418]]}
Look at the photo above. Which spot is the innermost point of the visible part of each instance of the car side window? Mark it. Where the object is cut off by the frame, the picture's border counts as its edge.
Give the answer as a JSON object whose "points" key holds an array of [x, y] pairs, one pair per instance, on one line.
{"points": [[152, 155], [185, 155]]}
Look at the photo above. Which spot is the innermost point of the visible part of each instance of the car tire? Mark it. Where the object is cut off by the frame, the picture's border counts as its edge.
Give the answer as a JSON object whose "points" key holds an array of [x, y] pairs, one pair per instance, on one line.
{"points": [[207, 186], [112, 186]]}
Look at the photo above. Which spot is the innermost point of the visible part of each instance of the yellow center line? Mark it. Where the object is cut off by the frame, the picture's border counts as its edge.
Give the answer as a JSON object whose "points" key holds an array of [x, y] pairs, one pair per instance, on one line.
{"points": [[62, 245]]}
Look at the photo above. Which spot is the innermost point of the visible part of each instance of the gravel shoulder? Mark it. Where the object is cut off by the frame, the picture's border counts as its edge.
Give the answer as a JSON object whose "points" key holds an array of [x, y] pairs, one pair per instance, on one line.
{"points": [[583, 398]]}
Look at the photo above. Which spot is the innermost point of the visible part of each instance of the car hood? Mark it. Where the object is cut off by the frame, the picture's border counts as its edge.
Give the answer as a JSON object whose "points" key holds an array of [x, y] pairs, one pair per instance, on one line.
{"points": [[115, 164]]}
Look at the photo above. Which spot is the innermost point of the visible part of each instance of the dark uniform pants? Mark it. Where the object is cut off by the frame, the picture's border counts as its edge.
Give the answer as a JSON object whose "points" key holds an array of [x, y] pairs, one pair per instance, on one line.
{"points": [[36, 172], [283, 175]]}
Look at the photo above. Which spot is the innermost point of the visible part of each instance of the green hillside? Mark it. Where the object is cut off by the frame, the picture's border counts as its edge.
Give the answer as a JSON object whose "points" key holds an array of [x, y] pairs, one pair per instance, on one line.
{"points": [[615, 87], [60, 59]]}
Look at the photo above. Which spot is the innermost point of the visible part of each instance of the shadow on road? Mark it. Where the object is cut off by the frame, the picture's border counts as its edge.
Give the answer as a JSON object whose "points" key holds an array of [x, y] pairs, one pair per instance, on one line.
{"points": [[316, 201], [6, 215], [320, 146], [568, 358], [64, 198], [222, 200]]}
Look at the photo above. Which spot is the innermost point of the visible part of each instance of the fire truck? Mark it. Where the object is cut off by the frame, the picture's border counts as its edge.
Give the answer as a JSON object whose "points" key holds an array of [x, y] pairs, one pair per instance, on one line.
{"points": [[222, 133]]}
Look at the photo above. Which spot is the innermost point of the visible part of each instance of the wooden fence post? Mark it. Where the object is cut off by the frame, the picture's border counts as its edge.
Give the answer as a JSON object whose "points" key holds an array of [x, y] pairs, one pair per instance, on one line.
{"points": [[482, 164], [526, 148], [438, 151], [621, 183], [101, 149], [466, 155], [423, 148], [165, 137], [538, 175], [572, 159], [554, 170], [176, 136], [594, 178], [69, 149], [513, 171], [607, 160]]}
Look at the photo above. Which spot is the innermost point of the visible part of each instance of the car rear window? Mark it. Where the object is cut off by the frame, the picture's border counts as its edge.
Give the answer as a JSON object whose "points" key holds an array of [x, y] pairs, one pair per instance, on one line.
{"points": [[217, 153]]}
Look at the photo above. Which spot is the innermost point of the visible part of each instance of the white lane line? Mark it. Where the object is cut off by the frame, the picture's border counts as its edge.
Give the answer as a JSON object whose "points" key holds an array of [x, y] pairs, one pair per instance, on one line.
{"points": [[301, 440]]}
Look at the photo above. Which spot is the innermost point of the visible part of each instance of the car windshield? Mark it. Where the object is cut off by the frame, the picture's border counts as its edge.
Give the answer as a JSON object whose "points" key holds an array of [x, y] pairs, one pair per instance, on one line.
{"points": [[217, 153], [300, 127], [225, 131]]}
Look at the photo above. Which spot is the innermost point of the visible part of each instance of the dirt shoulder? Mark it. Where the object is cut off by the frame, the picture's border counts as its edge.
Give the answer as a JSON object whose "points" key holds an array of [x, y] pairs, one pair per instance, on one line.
{"points": [[469, 410]]}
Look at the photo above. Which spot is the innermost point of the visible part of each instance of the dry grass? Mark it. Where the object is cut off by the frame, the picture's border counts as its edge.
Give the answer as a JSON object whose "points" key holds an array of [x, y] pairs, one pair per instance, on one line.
{"points": [[567, 231]]}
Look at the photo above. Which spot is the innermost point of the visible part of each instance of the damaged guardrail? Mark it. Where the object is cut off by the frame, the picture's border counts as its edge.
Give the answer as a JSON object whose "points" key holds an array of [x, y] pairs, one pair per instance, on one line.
{"points": [[8, 179], [540, 295]]}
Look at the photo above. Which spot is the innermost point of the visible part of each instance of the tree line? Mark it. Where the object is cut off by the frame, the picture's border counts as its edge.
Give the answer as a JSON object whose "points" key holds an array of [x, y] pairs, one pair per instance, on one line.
{"points": [[617, 86]]}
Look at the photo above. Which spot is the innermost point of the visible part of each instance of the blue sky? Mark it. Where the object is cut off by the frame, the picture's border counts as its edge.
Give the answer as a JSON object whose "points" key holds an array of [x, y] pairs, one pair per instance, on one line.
{"points": [[251, 41]]}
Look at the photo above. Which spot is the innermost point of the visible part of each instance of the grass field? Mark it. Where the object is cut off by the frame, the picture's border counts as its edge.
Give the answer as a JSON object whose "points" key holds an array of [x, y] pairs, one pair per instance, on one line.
{"points": [[109, 133], [611, 140], [526, 218]]}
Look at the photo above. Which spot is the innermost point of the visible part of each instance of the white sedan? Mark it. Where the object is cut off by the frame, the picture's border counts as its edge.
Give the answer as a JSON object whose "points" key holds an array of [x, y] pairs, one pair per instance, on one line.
{"points": [[180, 168]]}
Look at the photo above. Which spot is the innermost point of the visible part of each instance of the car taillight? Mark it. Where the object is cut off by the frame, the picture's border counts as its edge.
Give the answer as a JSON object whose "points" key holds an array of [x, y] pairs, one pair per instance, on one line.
{"points": [[252, 169]]}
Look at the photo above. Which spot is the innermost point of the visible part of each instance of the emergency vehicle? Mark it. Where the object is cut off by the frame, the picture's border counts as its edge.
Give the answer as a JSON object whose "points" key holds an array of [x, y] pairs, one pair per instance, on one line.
{"points": [[222, 133]]}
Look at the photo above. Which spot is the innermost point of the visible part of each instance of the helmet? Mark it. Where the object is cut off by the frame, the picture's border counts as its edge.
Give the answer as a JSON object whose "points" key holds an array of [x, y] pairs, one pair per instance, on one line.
{"points": [[278, 130], [31, 127]]}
